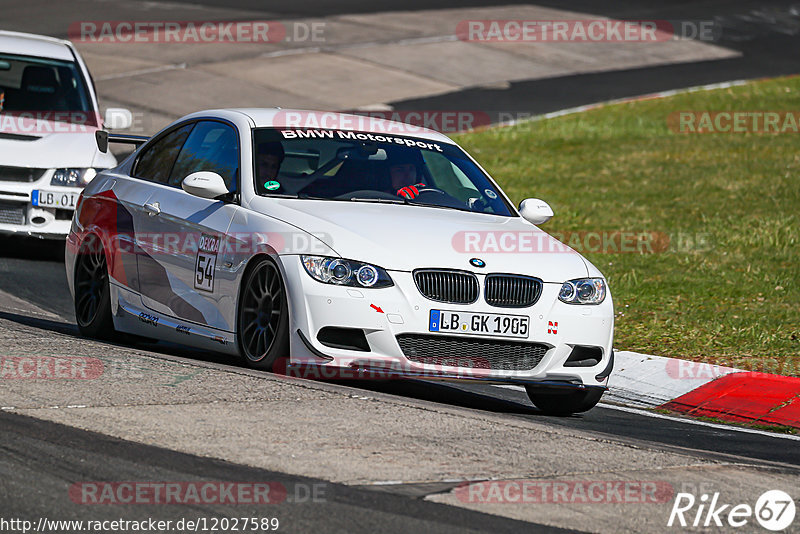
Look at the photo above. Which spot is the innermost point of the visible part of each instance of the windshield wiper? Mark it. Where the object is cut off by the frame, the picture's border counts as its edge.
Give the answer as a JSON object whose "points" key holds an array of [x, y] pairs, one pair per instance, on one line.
{"points": [[380, 200], [440, 206]]}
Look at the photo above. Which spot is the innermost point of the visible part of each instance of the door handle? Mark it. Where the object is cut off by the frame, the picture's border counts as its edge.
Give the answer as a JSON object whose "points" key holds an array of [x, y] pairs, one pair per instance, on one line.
{"points": [[152, 208]]}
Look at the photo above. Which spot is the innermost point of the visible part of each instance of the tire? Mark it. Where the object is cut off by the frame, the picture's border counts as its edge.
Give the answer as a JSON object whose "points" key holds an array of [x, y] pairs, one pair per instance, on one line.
{"points": [[92, 293], [262, 332], [564, 403]]}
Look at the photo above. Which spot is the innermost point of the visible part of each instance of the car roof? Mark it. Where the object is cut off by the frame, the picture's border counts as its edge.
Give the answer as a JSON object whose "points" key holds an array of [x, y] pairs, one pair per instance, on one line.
{"points": [[301, 118], [29, 44]]}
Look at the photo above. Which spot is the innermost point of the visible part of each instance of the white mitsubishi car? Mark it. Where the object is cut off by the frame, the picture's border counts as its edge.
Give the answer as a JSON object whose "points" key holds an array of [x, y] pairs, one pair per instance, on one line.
{"points": [[355, 245], [48, 116]]}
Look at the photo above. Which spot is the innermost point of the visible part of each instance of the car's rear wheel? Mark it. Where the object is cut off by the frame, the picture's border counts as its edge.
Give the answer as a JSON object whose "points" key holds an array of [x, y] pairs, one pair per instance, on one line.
{"points": [[263, 323], [92, 292], [564, 403]]}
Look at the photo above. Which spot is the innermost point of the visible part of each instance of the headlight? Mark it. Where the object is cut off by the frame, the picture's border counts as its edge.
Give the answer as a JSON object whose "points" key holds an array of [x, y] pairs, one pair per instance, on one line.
{"points": [[342, 272], [73, 177], [583, 291]]}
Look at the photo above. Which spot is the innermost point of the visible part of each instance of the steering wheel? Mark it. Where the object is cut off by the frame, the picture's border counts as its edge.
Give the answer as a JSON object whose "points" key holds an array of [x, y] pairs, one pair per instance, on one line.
{"points": [[428, 189], [437, 197]]}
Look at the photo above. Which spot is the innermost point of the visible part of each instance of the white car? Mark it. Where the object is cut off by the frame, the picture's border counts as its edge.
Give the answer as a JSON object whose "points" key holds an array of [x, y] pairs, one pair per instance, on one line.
{"points": [[360, 247], [48, 116]]}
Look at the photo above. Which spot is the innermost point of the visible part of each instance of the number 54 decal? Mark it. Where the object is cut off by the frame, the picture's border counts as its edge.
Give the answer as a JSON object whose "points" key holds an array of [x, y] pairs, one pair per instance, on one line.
{"points": [[206, 262]]}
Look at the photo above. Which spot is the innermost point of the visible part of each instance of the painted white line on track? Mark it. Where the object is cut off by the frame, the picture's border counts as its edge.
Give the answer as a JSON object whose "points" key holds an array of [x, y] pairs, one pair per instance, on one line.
{"points": [[406, 482], [366, 44], [699, 423], [150, 70], [625, 100], [648, 413]]}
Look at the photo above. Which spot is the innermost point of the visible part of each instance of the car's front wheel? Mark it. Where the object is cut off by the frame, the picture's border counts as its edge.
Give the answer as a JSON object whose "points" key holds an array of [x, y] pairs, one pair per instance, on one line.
{"points": [[263, 323], [562, 403], [92, 293]]}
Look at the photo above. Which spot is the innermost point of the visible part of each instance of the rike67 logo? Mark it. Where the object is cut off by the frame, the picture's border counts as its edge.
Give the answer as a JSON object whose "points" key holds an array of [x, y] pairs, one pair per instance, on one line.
{"points": [[774, 510]]}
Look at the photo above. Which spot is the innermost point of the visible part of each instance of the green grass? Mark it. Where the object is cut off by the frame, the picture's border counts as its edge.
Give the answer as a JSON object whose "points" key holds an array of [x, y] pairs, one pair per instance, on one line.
{"points": [[724, 290]]}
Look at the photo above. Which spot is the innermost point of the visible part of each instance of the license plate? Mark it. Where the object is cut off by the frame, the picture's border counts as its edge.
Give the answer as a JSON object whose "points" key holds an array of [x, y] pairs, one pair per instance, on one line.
{"points": [[54, 199], [486, 324]]}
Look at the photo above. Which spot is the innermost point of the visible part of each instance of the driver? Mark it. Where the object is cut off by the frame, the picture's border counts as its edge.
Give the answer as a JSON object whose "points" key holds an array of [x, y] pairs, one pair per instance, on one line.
{"points": [[404, 167], [269, 159]]}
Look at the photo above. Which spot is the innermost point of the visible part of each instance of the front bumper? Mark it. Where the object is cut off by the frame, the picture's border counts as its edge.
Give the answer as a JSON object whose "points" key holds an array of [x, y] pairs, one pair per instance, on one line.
{"points": [[18, 216], [556, 326]]}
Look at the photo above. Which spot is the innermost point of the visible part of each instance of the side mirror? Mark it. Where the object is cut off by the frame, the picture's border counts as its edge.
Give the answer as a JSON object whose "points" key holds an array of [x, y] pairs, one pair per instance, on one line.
{"points": [[118, 118], [535, 211], [205, 184]]}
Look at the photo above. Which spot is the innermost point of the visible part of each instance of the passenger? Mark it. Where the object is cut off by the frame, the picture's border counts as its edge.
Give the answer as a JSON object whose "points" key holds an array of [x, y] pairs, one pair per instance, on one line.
{"points": [[268, 160]]}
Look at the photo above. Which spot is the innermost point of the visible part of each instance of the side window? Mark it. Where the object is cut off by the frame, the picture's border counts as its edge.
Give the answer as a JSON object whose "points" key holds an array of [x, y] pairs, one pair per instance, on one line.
{"points": [[212, 146], [157, 160]]}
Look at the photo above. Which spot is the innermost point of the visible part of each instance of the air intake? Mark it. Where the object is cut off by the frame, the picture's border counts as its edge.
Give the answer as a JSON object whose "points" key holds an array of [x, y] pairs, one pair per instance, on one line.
{"points": [[454, 287], [20, 174], [471, 353], [511, 290]]}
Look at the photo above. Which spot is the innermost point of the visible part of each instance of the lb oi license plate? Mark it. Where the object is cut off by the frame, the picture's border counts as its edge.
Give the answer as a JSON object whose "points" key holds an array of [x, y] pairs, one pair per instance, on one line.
{"points": [[54, 199]]}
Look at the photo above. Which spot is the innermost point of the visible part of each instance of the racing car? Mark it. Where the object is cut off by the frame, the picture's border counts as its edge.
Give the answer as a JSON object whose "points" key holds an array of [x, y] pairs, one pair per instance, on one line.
{"points": [[48, 116], [340, 242]]}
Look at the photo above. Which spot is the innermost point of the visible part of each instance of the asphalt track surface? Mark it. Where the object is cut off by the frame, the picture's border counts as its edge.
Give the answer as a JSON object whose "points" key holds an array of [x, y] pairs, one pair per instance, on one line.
{"points": [[40, 458], [34, 452], [766, 33]]}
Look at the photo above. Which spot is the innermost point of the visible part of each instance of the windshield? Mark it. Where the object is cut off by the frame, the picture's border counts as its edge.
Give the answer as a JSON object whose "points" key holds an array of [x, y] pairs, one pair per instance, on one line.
{"points": [[29, 84], [365, 167]]}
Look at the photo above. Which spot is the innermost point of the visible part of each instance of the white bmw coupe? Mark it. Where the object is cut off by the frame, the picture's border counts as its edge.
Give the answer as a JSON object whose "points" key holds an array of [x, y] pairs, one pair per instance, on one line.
{"points": [[337, 242]]}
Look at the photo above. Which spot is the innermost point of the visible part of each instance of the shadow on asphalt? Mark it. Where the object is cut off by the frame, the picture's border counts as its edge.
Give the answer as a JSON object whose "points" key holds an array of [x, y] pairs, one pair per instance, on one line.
{"points": [[33, 270], [442, 393], [432, 391], [126, 342], [31, 248]]}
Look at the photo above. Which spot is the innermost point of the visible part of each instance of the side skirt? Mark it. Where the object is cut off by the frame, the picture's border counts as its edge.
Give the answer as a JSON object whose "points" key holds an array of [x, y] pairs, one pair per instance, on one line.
{"points": [[131, 316]]}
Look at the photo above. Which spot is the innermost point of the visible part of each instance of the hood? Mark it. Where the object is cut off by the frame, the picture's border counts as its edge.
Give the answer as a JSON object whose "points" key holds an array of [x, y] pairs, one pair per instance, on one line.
{"points": [[404, 238], [45, 150]]}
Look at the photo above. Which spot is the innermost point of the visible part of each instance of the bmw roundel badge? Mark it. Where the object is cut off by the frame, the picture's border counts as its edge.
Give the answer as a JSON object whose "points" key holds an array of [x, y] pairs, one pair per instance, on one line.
{"points": [[477, 262]]}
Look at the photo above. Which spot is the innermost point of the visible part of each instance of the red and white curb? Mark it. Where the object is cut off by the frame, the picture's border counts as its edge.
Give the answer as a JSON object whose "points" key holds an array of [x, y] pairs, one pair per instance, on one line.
{"points": [[646, 381], [704, 389], [641, 382]]}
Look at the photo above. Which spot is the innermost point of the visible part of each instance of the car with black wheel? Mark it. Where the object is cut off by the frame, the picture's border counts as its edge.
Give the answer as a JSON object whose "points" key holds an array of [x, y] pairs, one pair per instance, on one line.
{"points": [[338, 242]]}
